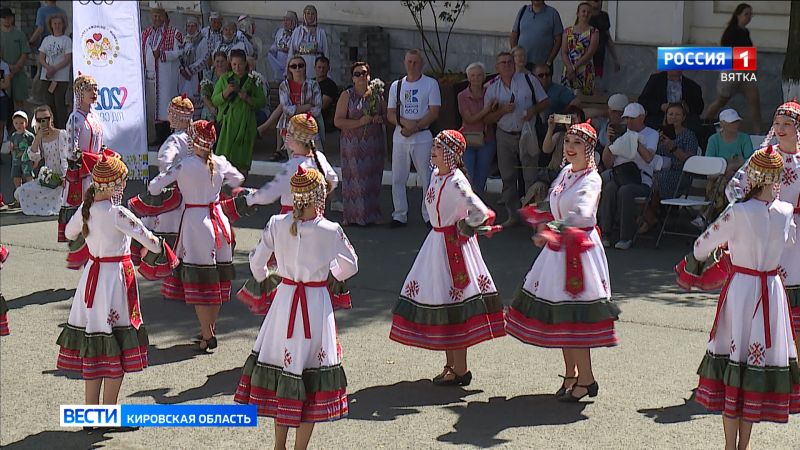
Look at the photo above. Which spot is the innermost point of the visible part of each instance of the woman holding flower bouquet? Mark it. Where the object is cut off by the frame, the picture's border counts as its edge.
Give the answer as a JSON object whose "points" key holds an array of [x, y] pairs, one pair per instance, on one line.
{"points": [[360, 115], [238, 95], [43, 195]]}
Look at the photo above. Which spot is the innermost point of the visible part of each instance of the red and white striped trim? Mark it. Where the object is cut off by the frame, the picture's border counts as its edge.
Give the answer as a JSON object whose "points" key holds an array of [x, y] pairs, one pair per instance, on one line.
{"points": [[131, 360], [563, 335], [448, 337], [714, 395]]}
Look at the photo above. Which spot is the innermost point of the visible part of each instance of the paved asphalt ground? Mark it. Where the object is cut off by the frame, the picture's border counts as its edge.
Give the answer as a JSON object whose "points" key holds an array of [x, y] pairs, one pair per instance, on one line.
{"points": [[645, 382]]}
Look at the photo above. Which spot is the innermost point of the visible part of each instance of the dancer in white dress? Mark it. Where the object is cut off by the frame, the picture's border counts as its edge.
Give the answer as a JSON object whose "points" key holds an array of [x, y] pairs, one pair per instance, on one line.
{"points": [[449, 301], [205, 239], [294, 372], [565, 301], [51, 146], [104, 337], [162, 213], [750, 367], [786, 128], [300, 137], [86, 137]]}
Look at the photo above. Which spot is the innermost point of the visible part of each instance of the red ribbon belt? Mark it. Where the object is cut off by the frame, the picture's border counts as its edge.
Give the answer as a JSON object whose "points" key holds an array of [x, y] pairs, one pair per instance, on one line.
{"points": [[130, 285], [299, 298], [216, 222], [574, 241], [453, 242], [763, 301]]}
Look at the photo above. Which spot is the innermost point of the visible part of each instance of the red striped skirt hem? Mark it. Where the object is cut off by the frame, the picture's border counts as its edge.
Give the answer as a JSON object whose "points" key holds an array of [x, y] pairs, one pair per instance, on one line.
{"points": [[132, 360], [321, 406], [734, 402], [203, 294], [4, 331], [562, 335], [796, 320], [448, 337]]}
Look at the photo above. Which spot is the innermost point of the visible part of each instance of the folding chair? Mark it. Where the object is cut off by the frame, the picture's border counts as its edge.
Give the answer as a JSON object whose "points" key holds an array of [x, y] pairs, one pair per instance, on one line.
{"points": [[696, 165]]}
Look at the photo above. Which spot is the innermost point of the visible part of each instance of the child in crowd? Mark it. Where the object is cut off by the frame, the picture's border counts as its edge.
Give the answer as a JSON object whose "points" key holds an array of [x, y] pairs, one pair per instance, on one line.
{"points": [[21, 140]]}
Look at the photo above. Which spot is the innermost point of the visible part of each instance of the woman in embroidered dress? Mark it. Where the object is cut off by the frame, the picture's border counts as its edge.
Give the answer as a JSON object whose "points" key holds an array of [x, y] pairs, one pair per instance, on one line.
{"points": [[279, 52], [786, 128], [162, 213], [104, 337], [363, 146], [750, 368], [449, 301], [205, 240], [193, 61], [86, 137], [309, 40], [578, 47], [294, 372], [3, 306], [50, 146], [300, 136], [565, 301]]}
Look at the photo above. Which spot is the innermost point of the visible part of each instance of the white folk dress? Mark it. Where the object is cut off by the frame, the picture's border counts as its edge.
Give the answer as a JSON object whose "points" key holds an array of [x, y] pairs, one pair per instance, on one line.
{"points": [[38, 200], [308, 43], [789, 268], [86, 135], [544, 313], [104, 337], [449, 300], [280, 188], [205, 240], [172, 151], [294, 372], [750, 366]]}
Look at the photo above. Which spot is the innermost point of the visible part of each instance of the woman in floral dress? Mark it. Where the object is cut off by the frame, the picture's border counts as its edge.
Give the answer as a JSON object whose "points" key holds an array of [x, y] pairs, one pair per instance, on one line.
{"points": [[363, 146], [578, 47]]}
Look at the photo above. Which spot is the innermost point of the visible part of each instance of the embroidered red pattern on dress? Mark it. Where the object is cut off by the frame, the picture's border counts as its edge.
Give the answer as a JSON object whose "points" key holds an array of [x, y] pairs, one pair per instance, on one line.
{"points": [[783, 273], [431, 195], [456, 294], [755, 355], [287, 357], [321, 355], [484, 283], [733, 346], [412, 289], [789, 176], [113, 317]]}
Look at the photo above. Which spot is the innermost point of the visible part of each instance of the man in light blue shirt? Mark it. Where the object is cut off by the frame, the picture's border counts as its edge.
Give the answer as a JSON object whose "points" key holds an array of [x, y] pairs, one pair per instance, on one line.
{"points": [[560, 96], [48, 9], [538, 29]]}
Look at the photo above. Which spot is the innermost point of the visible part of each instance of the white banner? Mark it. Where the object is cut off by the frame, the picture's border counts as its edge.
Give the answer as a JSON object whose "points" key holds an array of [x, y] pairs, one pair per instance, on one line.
{"points": [[106, 45]]}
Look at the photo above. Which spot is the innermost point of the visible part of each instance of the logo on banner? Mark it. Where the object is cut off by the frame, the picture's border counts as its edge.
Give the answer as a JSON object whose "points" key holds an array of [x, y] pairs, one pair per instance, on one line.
{"points": [[100, 46], [733, 63]]}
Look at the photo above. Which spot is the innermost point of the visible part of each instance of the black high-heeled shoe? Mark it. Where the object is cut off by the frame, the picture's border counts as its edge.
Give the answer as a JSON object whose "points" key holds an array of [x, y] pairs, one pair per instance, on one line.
{"points": [[210, 344], [563, 389], [457, 380], [591, 391], [440, 377]]}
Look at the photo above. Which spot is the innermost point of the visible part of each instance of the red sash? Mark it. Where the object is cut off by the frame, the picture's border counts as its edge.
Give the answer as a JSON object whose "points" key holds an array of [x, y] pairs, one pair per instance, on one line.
{"points": [[130, 285], [574, 241], [216, 222], [453, 242], [763, 301], [299, 298]]}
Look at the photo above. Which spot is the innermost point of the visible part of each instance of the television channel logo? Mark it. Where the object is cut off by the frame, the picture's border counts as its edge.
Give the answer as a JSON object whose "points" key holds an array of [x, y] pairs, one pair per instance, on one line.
{"points": [[733, 63], [90, 415]]}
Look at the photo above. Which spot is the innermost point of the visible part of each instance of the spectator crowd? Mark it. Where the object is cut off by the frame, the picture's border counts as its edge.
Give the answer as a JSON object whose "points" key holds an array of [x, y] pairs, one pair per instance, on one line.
{"points": [[514, 119]]}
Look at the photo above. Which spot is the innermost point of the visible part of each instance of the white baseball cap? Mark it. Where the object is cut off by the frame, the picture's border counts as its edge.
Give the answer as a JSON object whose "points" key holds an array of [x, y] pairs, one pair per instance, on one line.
{"points": [[20, 113], [214, 15], [729, 115], [617, 102], [633, 110]]}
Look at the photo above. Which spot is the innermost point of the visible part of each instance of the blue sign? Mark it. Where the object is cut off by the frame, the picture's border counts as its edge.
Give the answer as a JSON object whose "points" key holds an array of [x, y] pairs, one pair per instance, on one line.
{"points": [[159, 415], [695, 58]]}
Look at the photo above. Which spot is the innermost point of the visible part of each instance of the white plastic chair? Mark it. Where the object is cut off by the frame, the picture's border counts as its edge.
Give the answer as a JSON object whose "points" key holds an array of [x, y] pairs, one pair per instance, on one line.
{"points": [[696, 165]]}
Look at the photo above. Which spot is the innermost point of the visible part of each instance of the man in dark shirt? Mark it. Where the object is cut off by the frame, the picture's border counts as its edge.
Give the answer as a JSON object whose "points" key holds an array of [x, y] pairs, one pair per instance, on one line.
{"points": [[667, 87], [330, 92], [602, 22]]}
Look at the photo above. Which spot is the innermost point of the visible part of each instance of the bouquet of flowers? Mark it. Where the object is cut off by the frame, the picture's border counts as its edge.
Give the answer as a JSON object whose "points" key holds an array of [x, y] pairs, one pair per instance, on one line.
{"points": [[48, 178], [374, 96], [207, 87], [258, 79]]}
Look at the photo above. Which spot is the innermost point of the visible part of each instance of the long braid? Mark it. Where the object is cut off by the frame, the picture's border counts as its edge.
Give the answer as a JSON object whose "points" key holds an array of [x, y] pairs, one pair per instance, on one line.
{"points": [[319, 166], [297, 215], [768, 139], [210, 165], [88, 199]]}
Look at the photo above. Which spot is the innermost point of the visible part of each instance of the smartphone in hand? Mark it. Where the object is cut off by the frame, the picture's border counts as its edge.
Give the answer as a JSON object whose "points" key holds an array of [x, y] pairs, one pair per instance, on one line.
{"points": [[669, 131]]}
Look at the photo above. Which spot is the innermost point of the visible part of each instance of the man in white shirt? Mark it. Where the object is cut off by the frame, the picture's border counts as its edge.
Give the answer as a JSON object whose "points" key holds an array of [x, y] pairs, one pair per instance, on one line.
{"points": [[418, 108], [618, 199], [520, 97]]}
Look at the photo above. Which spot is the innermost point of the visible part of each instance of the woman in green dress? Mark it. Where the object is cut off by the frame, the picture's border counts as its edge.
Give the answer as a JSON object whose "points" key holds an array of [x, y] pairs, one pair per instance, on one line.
{"points": [[238, 95]]}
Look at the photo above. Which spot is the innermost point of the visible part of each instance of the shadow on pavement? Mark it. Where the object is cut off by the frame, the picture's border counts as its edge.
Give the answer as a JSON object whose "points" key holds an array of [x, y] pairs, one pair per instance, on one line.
{"points": [[385, 403], [63, 373], [479, 422], [684, 412], [177, 353], [59, 439], [219, 384], [41, 298]]}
